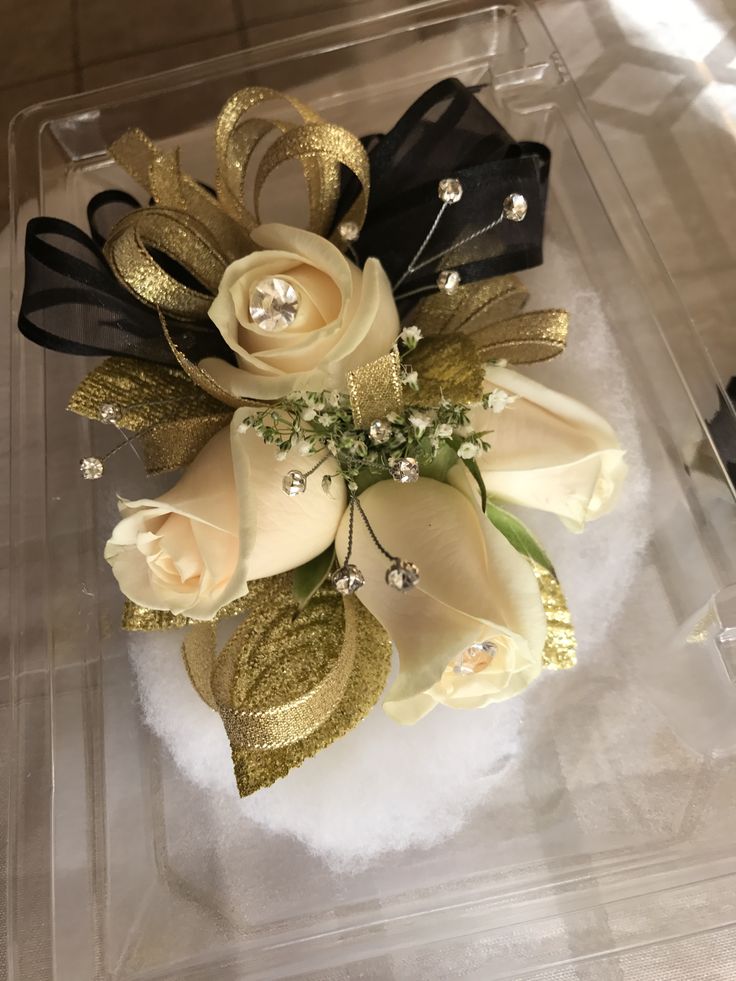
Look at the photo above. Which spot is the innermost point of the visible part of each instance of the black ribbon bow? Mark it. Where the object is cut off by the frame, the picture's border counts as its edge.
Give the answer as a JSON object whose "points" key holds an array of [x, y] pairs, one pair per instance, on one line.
{"points": [[448, 133]]}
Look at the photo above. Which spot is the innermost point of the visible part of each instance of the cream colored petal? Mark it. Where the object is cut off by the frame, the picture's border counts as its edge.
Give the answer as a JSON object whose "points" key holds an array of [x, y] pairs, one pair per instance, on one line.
{"points": [[315, 249], [288, 530], [212, 496], [473, 583], [549, 451], [373, 319]]}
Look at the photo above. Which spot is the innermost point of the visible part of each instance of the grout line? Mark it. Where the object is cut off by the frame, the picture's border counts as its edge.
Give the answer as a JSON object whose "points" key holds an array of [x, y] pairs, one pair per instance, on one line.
{"points": [[159, 49], [76, 59], [240, 25]]}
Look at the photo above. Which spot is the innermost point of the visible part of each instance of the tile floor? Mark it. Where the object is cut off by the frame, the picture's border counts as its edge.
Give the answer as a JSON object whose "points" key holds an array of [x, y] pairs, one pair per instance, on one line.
{"points": [[52, 48]]}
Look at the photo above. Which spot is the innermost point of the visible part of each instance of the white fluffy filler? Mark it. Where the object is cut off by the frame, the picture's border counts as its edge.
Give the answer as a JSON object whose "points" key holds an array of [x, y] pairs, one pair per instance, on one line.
{"points": [[384, 787]]}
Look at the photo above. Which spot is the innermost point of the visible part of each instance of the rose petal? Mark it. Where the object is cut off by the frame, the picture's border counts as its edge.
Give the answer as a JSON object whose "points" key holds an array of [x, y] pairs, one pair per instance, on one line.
{"points": [[549, 451]]}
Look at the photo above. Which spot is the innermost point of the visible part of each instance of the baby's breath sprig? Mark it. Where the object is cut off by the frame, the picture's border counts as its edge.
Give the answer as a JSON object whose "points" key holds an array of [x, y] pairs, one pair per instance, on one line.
{"points": [[315, 422]]}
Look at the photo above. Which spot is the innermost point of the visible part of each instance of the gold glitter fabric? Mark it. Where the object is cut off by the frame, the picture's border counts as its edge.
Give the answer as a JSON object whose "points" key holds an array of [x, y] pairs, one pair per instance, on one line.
{"points": [[161, 175], [320, 148], [173, 417], [560, 650], [141, 618], [289, 683], [201, 378], [375, 389], [448, 367], [526, 339], [182, 238], [176, 443], [203, 234], [489, 313], [468, 306], [198, 650]]}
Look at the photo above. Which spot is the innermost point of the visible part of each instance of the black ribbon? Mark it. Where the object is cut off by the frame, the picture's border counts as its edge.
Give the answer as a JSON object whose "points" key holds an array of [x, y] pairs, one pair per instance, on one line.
{"points": [[73, 303], [447, 132]]}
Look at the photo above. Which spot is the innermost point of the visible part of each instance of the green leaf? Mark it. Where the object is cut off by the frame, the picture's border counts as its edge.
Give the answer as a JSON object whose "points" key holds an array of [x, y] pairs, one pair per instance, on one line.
{"points": [[475, 471], [307, 579], [517, 533], [441, 465]]}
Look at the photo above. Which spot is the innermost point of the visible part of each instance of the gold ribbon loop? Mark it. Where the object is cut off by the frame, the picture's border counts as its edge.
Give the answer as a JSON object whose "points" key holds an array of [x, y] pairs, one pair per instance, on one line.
{"points": [[375, 389], [201, 378], [182, 238], [320, 147], [204, 233]]}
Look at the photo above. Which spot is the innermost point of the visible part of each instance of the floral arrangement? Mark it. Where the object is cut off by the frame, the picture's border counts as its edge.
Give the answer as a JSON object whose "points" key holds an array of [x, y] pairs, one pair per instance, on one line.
{"points": [[342, 404]]}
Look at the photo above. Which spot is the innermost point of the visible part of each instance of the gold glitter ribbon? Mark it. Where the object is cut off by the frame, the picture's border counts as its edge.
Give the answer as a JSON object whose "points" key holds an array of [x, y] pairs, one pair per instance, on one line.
{"points": [[287, 686], [179, 236], [142, 618], [173, 417], [375, 389], [320, 147], [203, 233], [560, 649], [489, 314], [448, 367], [201, 378]]}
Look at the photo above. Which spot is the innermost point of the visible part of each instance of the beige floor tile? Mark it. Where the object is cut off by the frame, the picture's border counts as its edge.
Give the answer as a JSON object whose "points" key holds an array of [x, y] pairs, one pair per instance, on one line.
{"points": [[113, 30], [138, 65]]}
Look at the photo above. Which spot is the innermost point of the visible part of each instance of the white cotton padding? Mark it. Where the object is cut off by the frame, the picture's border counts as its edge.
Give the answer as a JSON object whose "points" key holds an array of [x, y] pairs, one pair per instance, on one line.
{"points": [[384, 787]]}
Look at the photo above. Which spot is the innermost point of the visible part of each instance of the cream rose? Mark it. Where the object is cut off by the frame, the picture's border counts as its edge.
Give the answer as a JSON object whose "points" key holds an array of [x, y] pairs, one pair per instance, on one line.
{"points": [[225, 522], [474, 589], [549, 451], [345, 317]]}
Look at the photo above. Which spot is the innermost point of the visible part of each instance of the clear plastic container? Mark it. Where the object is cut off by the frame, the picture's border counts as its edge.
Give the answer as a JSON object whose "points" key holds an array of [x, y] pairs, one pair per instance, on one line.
{"points": [[112, 874]]}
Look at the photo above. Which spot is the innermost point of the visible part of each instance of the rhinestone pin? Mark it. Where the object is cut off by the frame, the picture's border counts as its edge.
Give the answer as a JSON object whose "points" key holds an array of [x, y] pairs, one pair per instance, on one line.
{"points": [[402, 575], [273, 304], [91, 468], [380, 431], [475, 658], [347, 579], [450, 190], [349, 231], [405, 470], [110, 414], [448, 280], [294, 483], [515, 207]]}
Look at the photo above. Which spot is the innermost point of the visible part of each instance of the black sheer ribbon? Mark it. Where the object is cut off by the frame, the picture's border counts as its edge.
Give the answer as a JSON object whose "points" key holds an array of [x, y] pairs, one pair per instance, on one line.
{"points": [[447, 132], [73, 303]]}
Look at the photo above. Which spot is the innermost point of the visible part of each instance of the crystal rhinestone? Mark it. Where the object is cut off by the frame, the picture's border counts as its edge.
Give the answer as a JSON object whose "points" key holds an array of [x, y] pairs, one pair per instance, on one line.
{"points": [[91, 468], [405, 470], [380, 431], [349, 231], [450, 190], [402, 575], [273, 304], [347, 579], [475, 658], [448, 280], [109, 413], [515, 207], [294, 483]]}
